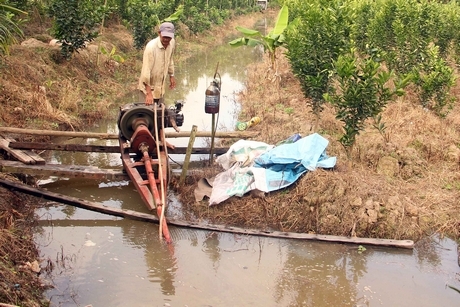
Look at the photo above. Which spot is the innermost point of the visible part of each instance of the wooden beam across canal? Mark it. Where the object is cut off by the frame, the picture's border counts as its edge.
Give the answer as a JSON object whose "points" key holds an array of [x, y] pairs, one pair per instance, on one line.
{"points": [[98, 207], [109, 136], [30, 163]]}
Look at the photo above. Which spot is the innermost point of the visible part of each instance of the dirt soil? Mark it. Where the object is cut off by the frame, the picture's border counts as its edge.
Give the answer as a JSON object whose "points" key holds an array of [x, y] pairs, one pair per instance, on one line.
{"points": [[404, 185]]}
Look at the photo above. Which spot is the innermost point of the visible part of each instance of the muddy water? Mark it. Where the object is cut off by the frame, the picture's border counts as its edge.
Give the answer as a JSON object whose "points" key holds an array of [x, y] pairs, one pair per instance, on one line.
{"points": [[101, 260], [105, 261]]}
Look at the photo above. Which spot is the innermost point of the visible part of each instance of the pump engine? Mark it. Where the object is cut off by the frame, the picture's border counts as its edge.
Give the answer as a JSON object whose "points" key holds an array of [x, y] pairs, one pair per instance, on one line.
{"points": [[133, 115]]}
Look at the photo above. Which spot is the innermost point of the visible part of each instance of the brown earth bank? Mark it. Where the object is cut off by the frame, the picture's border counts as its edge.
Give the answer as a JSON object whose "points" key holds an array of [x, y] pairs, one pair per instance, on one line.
{"points": [[19, 266], [403, 185]]}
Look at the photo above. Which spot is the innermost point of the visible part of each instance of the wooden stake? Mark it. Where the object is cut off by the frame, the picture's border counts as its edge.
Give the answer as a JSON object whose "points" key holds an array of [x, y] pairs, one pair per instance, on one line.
{"points": [[191, 141], [213, 134]]}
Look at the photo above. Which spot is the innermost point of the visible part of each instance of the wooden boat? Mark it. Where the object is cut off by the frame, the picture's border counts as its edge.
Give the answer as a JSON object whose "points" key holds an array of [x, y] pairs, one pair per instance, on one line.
{"points": [[144, 152]]}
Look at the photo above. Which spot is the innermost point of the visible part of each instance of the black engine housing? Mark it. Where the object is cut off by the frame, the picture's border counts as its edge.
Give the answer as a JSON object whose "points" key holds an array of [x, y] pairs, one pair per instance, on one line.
{"points": [[133, 113]]}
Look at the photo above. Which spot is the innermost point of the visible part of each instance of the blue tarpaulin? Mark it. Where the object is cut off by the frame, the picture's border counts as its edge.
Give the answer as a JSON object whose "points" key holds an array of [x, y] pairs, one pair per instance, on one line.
{"points": [[255, 165]]}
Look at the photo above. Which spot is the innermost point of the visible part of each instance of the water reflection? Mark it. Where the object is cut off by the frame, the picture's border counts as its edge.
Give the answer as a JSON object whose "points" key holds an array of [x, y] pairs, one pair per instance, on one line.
{"points": [[159, 258], [427, 254], [101, 160], [322, 277], [211, 248]]}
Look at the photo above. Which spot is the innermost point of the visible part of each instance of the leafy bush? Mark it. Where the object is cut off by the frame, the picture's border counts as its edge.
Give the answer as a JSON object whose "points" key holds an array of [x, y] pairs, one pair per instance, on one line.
{"points": [[165, 8], [22, 5], [418, 36], [9, 27], [315, 42], [448, 32], [363, 92], [144, 19], [215, 16], [196, 20], [75, 23], [434, 78], [403, 28]]}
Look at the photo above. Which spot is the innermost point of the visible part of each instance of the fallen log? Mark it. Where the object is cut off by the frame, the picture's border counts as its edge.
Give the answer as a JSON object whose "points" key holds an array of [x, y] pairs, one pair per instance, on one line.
{"points": [[80, 203], [95, 135], [104, 148]]}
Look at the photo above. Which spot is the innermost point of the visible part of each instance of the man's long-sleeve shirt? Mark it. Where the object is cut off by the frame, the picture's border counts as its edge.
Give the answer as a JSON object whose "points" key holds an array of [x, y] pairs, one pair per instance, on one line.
{"points": [[157, 63]]}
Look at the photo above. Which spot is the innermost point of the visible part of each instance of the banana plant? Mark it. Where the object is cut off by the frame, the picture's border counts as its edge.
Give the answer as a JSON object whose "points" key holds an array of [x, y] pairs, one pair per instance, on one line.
{"points": [[270, 42], [176, 15], [112, 56], [8, 27]]}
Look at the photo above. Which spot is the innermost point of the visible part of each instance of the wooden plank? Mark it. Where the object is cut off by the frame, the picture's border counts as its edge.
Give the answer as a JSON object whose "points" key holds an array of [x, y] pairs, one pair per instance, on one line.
{"points": [[74, 171], [102, 148], [33, 155], [187, 155], [17, 154], [408, 244], [94, 135], [58, 170], [65, 147], [38, 160]]}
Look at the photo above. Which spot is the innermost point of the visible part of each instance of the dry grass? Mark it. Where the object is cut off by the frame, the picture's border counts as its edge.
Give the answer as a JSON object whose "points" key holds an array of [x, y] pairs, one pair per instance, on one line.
{"points": [[42, 91], [414, 194]]}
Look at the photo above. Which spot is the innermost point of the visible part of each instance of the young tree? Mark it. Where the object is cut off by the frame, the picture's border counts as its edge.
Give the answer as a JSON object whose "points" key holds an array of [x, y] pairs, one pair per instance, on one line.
{"points": [[363, 92], [315, 42], [75, 23]]}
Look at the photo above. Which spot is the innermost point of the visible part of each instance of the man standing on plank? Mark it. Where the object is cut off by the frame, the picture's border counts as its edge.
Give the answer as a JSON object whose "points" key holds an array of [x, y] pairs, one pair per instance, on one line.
{"points": [[157, 64]]}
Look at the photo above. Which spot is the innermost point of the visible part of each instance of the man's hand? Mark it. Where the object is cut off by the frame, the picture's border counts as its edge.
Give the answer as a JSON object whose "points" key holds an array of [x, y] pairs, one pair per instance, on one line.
{"points": [[149, 98], [148, 95], [172, 82]]}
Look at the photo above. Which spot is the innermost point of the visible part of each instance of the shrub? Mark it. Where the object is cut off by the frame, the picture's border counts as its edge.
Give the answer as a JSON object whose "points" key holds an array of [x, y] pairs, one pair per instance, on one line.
{"points": [[8, 27], [434, 79], [75, 23], [363, 92], [143, 17], [315, 42]]}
